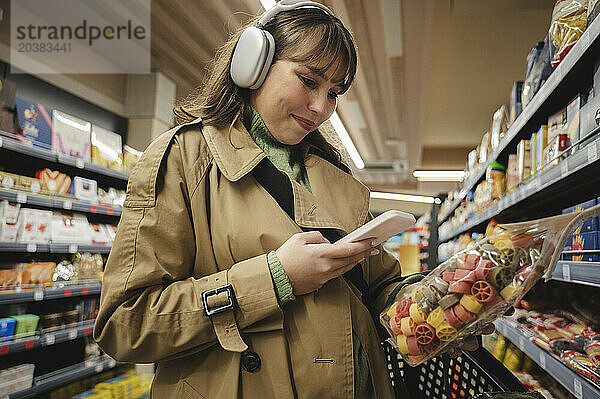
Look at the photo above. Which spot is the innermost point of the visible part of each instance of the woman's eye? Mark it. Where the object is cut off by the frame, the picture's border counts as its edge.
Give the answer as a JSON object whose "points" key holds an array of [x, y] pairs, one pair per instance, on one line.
{"points": [[308, 82]]}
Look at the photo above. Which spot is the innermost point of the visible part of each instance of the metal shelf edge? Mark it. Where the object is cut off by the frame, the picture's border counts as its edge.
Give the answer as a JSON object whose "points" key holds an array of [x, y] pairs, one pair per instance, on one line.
{"points": [[568, 378]]}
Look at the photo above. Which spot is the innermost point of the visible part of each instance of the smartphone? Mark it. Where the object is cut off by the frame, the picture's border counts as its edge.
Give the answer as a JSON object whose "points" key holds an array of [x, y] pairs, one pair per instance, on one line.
{"points": [[384, 226]]}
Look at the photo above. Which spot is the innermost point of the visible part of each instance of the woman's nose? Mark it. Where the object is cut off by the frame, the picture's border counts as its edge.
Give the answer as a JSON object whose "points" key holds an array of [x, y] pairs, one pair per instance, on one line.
{"points": [[318, 102]]}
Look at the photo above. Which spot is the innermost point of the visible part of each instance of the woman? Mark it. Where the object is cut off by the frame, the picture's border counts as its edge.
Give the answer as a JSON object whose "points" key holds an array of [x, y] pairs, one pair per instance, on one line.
{"points": [[222, 270]]}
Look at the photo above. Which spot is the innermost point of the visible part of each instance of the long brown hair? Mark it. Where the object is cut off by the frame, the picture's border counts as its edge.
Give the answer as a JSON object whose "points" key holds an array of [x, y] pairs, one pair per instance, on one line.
{"points": [[306, 35]]}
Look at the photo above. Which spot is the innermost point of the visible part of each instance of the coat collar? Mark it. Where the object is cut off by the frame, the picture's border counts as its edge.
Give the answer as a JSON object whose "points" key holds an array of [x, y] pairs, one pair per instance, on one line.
{"points": [[337, 201]]}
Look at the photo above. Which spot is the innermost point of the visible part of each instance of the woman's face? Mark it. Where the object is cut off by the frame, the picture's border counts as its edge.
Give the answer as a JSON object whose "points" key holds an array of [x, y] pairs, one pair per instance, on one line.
{"points": [[294, 100]]}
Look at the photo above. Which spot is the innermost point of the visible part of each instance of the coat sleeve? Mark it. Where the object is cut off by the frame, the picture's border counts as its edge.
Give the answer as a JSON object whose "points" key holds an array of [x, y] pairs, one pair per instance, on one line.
{"points": [[151, 305]]}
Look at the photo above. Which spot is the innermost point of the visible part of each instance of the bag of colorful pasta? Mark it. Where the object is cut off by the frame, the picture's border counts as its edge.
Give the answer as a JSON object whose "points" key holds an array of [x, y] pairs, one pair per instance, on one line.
{"points": [[476, 286]]}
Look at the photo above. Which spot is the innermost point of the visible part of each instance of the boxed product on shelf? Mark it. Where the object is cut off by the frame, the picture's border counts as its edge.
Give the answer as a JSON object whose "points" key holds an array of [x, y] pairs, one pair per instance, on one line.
{"points": [[589, 225], [8, 232], [35, 122], [532, 153], [557, 145], [13, 277], [9, 211], [541, 138], [34, 225], [27, 183], [25, 324], [589, 116], [111, 230], [85, 189], [512, 177], [130, 157], [53, 181], [99, 234], [71, 135], [557, 124], [16, 378], [70, 228], [107, 148], [7, 327], [573, 120], [516, 106], [523, 160], [585, 241]]}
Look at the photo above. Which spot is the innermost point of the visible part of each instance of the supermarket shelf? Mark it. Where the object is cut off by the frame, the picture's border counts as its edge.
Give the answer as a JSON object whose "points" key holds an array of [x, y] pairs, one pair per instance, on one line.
{"points": [[587, 273], [49, 291], [46, 338], [551, 175], [572, 381], [64, 377], [13, 145], [57, 202], [52, 248], [565, 71]]}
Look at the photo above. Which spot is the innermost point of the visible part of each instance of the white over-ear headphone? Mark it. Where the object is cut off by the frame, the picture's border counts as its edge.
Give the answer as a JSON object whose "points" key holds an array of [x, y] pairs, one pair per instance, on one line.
{"points": [[254, 50]]}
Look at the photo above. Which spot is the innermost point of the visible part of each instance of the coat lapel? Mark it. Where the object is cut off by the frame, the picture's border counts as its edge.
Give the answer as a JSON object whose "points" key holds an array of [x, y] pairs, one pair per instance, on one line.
{"points": [[338, 200]]}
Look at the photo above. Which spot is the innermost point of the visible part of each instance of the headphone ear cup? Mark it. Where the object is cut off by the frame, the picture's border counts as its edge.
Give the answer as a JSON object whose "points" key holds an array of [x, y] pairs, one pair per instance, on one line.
{"points": [[266, 65], [252, 58]]}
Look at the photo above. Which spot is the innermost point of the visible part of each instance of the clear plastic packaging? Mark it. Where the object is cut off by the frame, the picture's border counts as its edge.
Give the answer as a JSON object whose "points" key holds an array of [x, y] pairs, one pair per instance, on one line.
{"points": [[569, 19], [476, 285]]}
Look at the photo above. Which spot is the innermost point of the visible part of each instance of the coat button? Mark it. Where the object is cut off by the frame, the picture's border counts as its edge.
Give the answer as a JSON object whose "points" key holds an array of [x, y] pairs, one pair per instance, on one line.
{"points": [[250, 361]]}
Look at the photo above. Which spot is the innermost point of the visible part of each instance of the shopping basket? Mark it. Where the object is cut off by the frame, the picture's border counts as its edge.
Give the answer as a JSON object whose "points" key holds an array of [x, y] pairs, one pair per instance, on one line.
{"points": [[443, 377]]}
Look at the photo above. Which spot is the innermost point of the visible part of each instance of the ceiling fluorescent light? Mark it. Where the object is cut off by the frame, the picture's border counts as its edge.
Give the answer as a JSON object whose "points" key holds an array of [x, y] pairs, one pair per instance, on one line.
{"points": [[402, 197], [267, 3], [439, 175], [345, 137]]}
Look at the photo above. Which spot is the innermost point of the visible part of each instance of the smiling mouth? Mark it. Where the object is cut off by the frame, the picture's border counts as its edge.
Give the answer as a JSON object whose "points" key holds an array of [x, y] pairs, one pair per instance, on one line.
{"points": [[304, 123]]}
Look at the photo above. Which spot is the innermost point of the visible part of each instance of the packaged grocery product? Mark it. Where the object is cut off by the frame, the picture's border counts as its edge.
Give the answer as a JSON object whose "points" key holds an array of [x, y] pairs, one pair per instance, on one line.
{"points": [[499, 127], [496, 175], [130, 157], [485, 148], [557, 145], [13, 277], [541, 142], [9, 211], [512, 178], [107, 149], [573, 121], [86, 189], [557, 124], [71, 135], [7, 327], [26, 324], [53, 181], [476, 285], [516, 106], [523, 160], [538, 70], [569, 19], [35, 122], [40, 272]]}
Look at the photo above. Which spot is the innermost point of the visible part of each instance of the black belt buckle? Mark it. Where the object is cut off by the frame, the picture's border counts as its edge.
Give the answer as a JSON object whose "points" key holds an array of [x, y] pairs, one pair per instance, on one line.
{"points": [[230, 296]]}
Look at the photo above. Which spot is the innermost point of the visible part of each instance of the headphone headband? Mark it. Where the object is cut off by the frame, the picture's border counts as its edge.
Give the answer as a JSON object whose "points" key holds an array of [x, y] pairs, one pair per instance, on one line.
{"points": [[286, 5], [255, 49]]}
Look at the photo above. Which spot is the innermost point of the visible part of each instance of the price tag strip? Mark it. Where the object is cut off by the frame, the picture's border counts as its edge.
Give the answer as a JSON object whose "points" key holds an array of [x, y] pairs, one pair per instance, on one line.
{"points": [[72, 334], [566, 270], [592, 152]]}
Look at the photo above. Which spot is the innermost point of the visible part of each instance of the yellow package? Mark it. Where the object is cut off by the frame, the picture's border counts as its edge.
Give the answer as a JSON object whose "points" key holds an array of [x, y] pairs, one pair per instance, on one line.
{"points": [[107, 148]]}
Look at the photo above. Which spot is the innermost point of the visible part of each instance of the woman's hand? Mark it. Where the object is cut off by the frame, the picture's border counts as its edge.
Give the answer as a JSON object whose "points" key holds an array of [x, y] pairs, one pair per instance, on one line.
{"points": [[309, 260]]}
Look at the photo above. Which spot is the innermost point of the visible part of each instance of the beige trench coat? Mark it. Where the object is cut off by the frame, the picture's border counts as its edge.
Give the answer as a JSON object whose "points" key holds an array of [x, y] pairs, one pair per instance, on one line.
{"points": [[195, 219]]}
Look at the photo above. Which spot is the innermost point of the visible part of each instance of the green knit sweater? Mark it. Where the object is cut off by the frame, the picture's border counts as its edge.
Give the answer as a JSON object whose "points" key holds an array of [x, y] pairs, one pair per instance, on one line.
{"points": [[279, 155]]}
